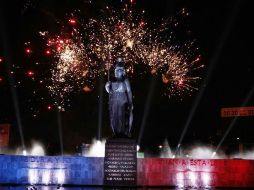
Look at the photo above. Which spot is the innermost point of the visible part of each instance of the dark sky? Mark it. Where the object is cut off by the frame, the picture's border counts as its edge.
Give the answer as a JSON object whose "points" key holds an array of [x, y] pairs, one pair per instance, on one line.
{"points": [[223, 32]]}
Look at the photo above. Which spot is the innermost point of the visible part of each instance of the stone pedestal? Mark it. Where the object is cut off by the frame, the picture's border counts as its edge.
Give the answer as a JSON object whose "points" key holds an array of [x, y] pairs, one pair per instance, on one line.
{"points": [[120, 162]]}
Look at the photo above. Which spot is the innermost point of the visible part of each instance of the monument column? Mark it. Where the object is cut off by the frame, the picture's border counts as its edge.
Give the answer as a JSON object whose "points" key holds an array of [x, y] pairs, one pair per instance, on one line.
{"points": [[120, 162]]}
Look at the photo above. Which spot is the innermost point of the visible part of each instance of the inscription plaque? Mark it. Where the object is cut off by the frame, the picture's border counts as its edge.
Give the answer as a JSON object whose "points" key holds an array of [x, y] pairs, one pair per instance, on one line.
{"points": [[120, 162]]}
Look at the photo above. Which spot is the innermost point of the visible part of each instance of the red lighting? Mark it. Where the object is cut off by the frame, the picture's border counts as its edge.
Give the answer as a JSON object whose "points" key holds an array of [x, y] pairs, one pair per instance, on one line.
{"points": [[48, 52], [180, 82], [30, 73], [72, 21], [28, 50], [58, 48], [1, 79], [49, 107], [1, 60], [142, 23]]}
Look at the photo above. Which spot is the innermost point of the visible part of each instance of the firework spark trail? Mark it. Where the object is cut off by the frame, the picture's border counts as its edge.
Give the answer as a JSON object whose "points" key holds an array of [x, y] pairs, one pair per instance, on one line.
{"points": [[71, 65], [114, 36], [85, 55]]}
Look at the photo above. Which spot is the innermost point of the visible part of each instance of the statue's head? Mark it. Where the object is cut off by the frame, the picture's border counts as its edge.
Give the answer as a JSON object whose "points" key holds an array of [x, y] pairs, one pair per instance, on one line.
{"points": [[119, 68]]}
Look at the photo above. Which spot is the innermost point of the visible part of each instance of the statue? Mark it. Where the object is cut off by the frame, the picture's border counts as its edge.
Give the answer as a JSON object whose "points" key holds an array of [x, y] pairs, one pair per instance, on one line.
{"points": [[120, 102]]}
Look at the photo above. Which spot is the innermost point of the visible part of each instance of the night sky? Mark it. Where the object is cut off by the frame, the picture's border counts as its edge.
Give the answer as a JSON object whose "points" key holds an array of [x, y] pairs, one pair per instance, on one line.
{"points": [[224, 35]]}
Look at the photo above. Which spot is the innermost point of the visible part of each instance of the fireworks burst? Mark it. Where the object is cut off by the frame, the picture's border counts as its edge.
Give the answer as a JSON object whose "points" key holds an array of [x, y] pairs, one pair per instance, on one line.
{"points": [[71, 69], [116, 35], [94, 44]]}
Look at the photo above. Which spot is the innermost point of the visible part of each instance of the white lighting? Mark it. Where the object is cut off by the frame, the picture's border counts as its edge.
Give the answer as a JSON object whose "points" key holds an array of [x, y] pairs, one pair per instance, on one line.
{"points": [[138, 147], [214, 153], [206, 179], [37, 150], [60, 176], [180, 186], [180, 180], [45, 188], [33, 176], [97, 149], [193, 178], [46, 177], [24, 152]]}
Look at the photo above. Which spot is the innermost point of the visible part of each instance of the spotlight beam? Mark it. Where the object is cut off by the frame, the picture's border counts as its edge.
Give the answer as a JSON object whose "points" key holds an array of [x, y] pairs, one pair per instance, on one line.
{"points": [[100, 107], [147, 108], [14, 96], [60, 132], [248, 97], [212, 65]]}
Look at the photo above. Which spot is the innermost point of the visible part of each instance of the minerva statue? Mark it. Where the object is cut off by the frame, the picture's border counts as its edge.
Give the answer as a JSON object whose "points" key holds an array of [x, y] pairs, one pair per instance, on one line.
{"points": [[120, 101]]}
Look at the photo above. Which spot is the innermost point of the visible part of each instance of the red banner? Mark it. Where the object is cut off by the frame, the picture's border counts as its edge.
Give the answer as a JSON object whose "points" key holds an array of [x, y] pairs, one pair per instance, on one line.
{"points": [[236, 112], [4, 135]]}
